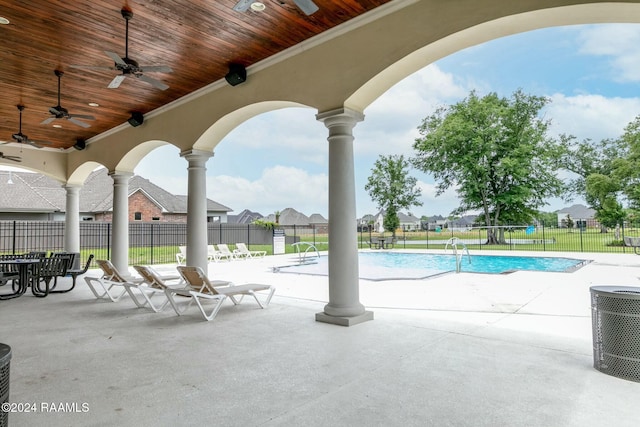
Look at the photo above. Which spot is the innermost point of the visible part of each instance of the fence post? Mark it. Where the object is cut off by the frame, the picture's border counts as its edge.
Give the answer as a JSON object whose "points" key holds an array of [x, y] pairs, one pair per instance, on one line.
{"points": [[544, 241], [581, 243], [108, 240], [152, 243]]}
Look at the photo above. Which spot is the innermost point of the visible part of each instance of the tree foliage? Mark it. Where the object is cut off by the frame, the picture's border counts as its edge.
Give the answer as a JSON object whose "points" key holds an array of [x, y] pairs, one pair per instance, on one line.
{"points": [[626, 170], [496, 153], [392, 188], [595, 165]]}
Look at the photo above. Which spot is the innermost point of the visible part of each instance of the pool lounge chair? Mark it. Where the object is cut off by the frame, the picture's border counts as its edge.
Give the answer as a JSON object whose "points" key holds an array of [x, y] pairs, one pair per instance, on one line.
{"points": [[197, 294], [243, 251], [225, 252], [181, 257], [197, 280], [152, 284], [111, 285]]}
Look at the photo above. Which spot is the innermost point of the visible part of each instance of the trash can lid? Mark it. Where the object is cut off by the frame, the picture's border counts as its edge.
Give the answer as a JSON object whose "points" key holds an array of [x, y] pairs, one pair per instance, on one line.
{"points": [[627, 292], [5, 354]]}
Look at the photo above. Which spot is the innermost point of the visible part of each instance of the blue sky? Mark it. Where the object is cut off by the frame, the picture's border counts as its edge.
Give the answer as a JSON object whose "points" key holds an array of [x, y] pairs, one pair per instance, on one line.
{"points": [[279, 159]]}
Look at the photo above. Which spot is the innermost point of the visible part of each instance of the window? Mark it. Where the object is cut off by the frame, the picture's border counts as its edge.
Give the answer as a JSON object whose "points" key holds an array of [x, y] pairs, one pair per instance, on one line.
{"points": [[137, 216], [155, 218]]}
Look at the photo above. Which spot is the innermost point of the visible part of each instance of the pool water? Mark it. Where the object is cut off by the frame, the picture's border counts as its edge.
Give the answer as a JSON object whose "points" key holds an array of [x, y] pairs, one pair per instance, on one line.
{"points": [[399, 265]]}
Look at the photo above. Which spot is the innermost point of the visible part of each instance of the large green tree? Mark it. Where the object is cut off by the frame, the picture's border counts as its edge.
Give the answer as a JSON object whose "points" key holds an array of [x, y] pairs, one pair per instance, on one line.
{"points": [[496, 153], [626, 170], [594, 165], [393, 188]]}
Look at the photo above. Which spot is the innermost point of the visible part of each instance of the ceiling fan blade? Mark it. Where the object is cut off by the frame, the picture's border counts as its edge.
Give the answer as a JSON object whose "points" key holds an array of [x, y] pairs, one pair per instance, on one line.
{"points": [[242, 5], [153, 82], [78, 122], [115, 83], [54, 111], [47, 121], [81, 116], [157, 69], [116, 58], [307, 6], [13, 158]]}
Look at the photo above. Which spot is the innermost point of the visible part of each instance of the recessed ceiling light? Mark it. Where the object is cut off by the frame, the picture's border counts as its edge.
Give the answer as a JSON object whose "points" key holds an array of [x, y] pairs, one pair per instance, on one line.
{"points": [[57, 126], [258, 6], [4, 21], [94, 104]]}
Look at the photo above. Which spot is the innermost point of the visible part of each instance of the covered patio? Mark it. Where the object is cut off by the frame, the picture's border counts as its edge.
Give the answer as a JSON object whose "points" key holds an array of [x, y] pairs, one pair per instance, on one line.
{"points": [[461, 349]]}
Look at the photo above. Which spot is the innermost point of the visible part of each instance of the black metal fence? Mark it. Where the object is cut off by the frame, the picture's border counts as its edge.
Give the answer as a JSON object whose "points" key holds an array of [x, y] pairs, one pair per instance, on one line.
{"points": [[149, 242], [157, 243], [540, 237]]}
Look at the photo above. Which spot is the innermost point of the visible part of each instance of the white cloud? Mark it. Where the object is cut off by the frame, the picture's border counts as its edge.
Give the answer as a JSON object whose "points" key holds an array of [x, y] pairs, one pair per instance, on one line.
{"points": [[591, 116], [391, 122], [278, 188], [620, 43]]}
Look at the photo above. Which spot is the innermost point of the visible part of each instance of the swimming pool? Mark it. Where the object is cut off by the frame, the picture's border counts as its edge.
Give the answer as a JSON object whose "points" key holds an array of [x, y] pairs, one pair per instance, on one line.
{"points": [[400, 265]]}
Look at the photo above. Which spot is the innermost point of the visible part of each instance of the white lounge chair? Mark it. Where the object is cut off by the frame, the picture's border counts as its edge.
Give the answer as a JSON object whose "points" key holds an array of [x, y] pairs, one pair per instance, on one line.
{"points": [[181, 257], [213, 254], [197, 294], [111, 285], [195, 277], [243, 251], [225, 252], [152, 284]]}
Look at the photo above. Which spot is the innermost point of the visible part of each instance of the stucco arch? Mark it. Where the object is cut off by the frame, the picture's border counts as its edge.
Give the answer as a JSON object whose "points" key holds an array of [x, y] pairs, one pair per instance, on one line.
{"points": [[559, 16], [221, 128]]}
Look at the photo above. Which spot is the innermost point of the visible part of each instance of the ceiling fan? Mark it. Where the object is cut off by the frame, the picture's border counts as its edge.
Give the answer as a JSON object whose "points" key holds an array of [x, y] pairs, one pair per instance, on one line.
{"points": [[128, 66], [12, 158], [24, 139], [307, 6], [58, 112]]}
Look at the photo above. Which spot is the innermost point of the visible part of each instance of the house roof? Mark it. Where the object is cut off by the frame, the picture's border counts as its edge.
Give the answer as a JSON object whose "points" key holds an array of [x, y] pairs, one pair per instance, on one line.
{"points": [[244, 217], [577, 211], [32, 192]]}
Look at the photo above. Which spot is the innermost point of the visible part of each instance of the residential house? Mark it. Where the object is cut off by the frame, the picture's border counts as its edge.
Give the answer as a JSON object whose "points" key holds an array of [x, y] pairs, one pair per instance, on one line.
{"points": [[581, 215], [32, 196]]}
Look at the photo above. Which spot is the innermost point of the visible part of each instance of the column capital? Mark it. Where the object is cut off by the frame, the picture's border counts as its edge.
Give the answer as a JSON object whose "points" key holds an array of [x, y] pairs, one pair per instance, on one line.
{"points": [[72, 188], [195, 155], [120, 177], [340, 116]]}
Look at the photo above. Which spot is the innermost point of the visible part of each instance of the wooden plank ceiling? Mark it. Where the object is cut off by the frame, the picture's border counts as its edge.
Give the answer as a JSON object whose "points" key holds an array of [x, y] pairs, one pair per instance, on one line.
{"points": [[196, 39]]}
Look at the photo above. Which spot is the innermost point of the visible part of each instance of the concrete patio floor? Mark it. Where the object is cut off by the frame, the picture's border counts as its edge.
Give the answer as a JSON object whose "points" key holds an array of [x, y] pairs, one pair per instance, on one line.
{"points": [[457, 350]]}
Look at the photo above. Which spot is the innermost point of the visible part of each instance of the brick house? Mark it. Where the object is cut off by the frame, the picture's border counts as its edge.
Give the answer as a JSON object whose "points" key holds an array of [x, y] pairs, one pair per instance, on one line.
{"points": [[29, 196]]}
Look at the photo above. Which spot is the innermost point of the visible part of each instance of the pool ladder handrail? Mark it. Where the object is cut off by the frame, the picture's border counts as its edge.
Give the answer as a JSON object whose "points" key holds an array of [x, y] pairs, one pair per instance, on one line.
{"points": [[454, 242], [302, 256]]}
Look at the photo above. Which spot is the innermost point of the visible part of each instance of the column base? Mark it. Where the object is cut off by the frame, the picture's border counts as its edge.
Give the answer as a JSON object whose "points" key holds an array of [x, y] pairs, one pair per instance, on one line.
{"points": [[344, 320]]}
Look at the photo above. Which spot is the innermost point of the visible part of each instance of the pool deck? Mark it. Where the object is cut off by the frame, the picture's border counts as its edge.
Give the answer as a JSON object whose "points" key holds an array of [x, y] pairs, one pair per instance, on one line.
{"points": [[456, 350]]}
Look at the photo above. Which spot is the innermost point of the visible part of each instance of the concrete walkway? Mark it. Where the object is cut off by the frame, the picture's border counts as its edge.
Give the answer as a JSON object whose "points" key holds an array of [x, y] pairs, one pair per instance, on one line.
{"points": [[458, 350]]}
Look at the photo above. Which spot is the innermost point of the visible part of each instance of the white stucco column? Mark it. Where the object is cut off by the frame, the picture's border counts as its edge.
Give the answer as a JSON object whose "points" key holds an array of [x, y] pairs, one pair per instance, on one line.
{"points": [[72, 219], [120, 221], [344, 306], [197, 208]]}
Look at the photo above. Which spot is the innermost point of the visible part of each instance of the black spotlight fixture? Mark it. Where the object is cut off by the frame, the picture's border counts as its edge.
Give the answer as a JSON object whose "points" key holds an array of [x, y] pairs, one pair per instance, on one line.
{"points": [[80, 144], [136, 119], [237, 74]]}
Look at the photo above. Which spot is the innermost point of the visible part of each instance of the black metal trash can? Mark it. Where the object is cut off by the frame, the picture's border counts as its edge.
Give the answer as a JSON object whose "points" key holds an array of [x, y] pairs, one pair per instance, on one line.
{"points": [[5, 357], [615, 316]]}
